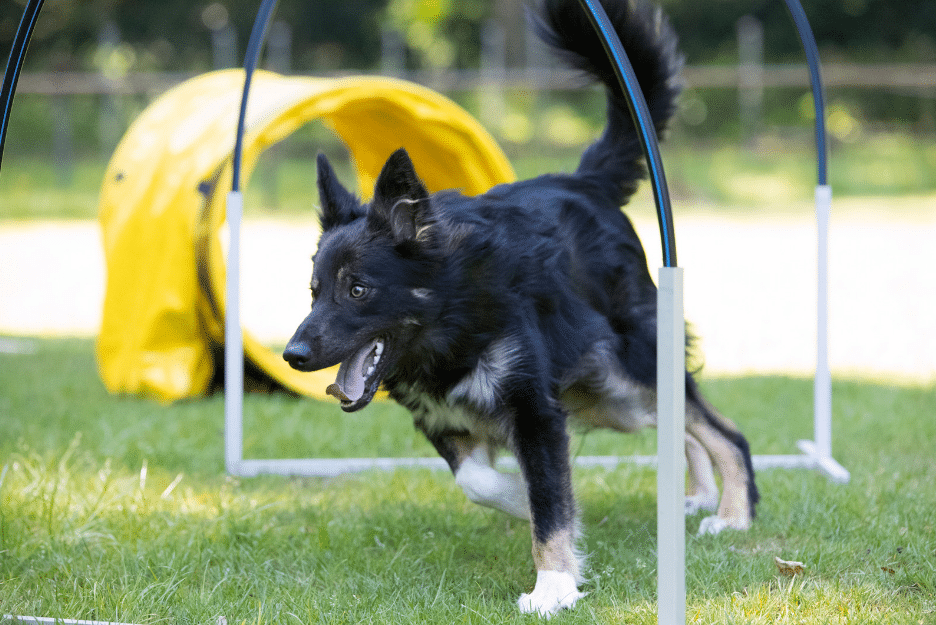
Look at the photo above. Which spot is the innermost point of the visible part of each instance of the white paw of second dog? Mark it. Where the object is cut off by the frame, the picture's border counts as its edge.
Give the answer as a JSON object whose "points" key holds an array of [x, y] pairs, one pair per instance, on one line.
{"points": [[712, 525], [554, 591], [699, 503], [715, 525]]}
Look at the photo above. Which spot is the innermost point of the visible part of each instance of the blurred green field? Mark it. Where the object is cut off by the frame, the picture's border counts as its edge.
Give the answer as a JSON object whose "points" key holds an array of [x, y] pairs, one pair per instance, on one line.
{"points": [[712, 173]]}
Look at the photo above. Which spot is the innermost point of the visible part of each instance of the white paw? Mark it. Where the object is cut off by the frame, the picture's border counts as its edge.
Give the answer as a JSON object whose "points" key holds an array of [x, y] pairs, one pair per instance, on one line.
{"points": [[715, 524], [553, 591], [712, 525], [699, 503]]}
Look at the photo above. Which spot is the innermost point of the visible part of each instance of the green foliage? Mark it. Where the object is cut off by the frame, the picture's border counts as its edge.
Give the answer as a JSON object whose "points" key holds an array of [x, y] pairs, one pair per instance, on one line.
{"points": [[440, 33], [115, 508], [174, 34], [860, 30]]}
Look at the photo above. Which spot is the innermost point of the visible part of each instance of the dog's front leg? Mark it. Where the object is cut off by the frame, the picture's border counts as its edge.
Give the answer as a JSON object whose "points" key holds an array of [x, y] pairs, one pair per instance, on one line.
{"points": [[542, 447], [472, 463], [486, 486]]}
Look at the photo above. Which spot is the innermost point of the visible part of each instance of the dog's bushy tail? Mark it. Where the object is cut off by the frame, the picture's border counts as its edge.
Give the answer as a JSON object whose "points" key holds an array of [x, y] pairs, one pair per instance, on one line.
{"points": [[650, 44]]}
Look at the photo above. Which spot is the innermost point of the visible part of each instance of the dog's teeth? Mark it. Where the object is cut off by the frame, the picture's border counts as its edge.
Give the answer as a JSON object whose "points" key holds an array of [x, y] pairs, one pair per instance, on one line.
{"points": [[378, 350], [370, 370]]}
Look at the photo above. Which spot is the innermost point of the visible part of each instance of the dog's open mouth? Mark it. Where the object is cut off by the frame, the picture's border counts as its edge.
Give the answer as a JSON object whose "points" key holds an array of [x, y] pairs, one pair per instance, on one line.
{"points": [[359, 376]]}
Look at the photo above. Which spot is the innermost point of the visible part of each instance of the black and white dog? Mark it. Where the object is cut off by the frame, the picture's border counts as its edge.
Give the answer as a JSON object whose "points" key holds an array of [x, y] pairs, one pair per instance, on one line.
{"points": [[495, 319]]}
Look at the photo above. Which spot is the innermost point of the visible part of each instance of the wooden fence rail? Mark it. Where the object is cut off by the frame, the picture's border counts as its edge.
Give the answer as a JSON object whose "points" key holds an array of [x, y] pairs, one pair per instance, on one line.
{"points": [[901, 76]]}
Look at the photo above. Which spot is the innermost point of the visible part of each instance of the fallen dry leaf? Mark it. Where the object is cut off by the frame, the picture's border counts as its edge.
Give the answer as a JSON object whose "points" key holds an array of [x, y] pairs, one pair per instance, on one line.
{"points": [[789, 568]]}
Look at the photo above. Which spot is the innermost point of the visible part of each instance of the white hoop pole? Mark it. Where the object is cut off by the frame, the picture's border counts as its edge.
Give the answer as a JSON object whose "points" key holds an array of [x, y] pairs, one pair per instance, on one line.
{"points": [[671, 444], [823, 382], [233, 335], [820, 448], [233, 342]]}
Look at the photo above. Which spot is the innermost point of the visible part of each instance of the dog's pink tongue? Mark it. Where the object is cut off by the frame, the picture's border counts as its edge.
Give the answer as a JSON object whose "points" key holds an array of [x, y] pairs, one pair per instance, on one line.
{"points": [[349, 385]]}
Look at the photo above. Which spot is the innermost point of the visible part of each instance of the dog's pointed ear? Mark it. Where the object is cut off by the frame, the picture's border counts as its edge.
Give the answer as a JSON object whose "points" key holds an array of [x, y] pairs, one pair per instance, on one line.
{"points": [[400, 199], [338, 204]]}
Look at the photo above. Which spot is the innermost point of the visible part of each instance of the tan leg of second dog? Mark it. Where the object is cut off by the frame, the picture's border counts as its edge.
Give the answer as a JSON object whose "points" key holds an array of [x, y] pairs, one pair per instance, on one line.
{"points": [[734, 509], [701, 489]]}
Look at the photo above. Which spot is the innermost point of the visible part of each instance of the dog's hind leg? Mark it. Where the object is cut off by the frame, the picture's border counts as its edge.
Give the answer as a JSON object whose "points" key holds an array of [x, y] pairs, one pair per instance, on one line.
{"points": [[601, 395], [729, 451], [701, 489]]}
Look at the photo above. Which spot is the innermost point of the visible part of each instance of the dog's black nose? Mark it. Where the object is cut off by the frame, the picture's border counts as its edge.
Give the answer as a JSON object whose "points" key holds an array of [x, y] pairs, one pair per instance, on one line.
{"points": [[298, 355]]}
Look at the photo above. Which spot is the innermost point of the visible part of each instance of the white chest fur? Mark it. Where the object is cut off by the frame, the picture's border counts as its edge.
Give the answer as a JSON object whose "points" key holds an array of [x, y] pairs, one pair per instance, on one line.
{"points": [[438, 416], [475, 399]]}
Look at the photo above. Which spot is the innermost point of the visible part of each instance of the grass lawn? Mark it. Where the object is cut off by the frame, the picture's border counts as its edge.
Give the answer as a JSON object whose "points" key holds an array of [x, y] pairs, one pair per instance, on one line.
{"points": [[117, 508]]}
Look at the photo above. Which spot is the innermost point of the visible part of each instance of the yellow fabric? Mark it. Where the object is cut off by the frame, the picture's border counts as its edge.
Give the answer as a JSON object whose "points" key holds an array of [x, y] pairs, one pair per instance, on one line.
{"points": [[162, 208]]}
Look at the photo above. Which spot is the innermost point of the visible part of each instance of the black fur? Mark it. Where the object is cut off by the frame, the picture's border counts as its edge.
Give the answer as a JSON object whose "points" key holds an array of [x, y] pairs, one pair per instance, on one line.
{"points": [[487, 307]]}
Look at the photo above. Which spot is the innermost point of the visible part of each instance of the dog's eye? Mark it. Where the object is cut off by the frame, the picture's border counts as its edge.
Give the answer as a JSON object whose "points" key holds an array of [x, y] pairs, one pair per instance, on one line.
{"points": [[358, 291]]}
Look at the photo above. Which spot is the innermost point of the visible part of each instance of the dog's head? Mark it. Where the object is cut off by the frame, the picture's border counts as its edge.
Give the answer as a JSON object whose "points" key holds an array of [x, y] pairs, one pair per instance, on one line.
{"points": [[368, 281]]}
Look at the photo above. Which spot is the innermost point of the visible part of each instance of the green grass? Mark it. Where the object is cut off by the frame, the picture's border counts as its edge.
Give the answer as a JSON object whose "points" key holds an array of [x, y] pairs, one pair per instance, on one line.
{"points": [[776, 175], [117, 508]]}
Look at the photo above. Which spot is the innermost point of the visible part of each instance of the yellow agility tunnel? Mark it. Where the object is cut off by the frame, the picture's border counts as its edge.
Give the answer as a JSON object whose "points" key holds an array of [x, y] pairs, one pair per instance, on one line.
{"points": [[162, 210]]}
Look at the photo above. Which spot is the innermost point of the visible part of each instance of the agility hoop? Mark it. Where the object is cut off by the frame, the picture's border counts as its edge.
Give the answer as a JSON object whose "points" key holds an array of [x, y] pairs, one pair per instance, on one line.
{"points": [[234, 208], [15, 64], [818, 452], [671, 347]]}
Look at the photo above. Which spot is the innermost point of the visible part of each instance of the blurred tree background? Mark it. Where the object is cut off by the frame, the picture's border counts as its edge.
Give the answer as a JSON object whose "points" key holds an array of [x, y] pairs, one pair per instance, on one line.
{"points": [[175, 35], [93, 65]]}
